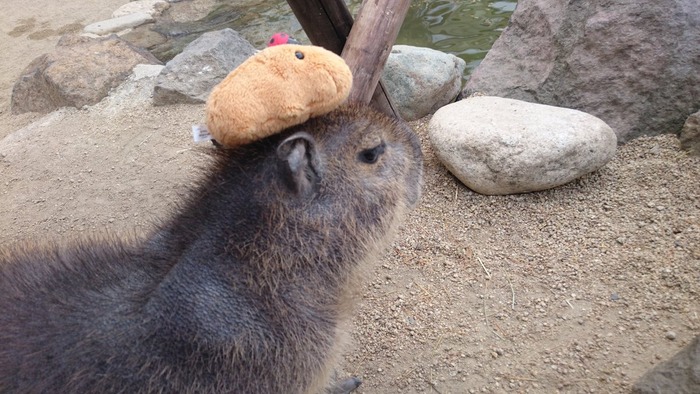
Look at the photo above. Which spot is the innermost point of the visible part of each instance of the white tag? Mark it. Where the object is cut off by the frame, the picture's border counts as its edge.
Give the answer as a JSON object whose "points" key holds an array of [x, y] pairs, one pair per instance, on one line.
{"points": [[200, 133]]}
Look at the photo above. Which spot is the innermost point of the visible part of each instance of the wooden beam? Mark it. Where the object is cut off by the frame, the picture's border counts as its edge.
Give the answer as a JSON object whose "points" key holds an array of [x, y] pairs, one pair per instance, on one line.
{"points": [[328, 23]]}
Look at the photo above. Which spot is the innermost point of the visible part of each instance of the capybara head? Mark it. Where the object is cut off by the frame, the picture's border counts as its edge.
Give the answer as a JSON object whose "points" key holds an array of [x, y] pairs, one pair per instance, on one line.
{"points": [[350, 174]]}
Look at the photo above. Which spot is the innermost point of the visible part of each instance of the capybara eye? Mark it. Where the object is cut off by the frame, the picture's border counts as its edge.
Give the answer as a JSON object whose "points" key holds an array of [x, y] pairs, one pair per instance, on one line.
{"points": [[370, 156], [299, 55]]}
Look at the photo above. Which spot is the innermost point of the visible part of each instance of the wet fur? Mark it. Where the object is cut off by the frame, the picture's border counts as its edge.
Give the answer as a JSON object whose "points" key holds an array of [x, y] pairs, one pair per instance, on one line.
{"points": [[245, 289]]}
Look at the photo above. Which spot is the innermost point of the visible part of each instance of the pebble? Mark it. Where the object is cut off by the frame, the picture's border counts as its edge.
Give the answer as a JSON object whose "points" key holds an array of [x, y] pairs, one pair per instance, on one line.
{"points": [[671, 335]]}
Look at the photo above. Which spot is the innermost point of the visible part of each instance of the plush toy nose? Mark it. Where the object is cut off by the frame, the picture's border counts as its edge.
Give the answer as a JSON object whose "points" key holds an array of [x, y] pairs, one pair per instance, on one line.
{"points": [[282, 38]]}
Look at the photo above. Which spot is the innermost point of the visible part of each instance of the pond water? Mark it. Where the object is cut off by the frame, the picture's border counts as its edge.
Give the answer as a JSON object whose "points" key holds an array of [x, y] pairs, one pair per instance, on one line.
{"points": [[465, 28]]}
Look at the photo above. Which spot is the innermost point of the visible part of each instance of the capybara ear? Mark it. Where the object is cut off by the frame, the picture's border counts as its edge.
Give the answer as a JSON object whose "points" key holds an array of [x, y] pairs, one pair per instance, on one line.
{"points": [[278, 87], [299, 162]]}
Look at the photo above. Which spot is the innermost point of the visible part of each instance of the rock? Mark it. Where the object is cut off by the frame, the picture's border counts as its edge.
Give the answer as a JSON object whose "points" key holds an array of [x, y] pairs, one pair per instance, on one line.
{"points": [[118, 24], [504, 146], [143, 36], [190, 76], [679, 375], [80, 71], [690, 135], [181, 31], [421, 80], [635, 64], [146, 71], [151, 7]]}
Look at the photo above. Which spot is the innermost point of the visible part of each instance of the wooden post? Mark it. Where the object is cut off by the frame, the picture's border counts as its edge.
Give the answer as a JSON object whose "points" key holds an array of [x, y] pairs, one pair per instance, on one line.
{"points": [[328, 23], [369, 44]]}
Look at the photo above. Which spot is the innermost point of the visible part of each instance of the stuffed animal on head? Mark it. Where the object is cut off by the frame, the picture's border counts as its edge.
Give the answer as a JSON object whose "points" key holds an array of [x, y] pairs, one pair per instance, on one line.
{"points": [[278, 87]]}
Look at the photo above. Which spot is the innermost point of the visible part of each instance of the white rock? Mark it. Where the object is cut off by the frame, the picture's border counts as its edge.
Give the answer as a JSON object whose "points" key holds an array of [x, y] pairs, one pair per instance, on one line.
{"points": [[141, 71], [152, 7], [118, 24], [504, 146]]}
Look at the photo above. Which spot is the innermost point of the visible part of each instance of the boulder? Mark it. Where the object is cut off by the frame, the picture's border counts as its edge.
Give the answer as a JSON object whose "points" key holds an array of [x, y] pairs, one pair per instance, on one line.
{"points": [[503, 146], [690, 135], [679, 375], [421, 80], [634, 64], [190, 76], [80, 71]]}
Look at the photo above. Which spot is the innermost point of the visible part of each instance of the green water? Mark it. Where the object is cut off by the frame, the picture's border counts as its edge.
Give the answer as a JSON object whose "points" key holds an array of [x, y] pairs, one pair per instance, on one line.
{"points": [[465, 28]]}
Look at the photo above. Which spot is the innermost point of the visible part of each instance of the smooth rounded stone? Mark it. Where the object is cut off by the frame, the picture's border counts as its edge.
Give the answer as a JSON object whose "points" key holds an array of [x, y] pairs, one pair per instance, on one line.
{"points": [[502, 146], [690, 135], [118, 24], [421, 80], [151, 7], [633, 64]]}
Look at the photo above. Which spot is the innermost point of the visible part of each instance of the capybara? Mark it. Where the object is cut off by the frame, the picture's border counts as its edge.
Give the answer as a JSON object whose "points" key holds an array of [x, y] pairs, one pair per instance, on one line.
{"points": [[246, 288]]}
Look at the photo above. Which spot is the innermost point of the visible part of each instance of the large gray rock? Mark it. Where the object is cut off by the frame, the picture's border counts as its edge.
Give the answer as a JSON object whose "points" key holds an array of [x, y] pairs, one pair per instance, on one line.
{"points": [[504, 146], [421, 80], [678, 375], [190, 76], [80, 71], [690, 135], [634, 64]]}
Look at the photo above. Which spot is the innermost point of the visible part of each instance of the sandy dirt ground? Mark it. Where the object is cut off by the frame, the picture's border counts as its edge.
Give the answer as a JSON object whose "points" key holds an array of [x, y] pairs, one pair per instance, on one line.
{"points": [[578, 289]]}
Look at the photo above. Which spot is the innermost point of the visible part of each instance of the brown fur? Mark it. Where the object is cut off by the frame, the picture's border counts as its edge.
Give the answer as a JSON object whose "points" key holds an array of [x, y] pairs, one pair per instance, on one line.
{"points": [[245, 289]]}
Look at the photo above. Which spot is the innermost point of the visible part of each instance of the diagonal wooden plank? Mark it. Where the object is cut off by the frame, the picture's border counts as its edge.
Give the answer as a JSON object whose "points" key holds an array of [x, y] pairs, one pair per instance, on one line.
{"points": [[327, 23]]}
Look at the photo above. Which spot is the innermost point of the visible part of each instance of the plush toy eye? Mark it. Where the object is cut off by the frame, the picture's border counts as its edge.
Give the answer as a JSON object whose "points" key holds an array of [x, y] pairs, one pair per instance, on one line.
{"points": [[299, 55], [370, 156]]}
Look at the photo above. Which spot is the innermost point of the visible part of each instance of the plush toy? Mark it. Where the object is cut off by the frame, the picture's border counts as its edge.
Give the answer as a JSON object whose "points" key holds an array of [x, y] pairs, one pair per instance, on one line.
{"points": [[279, 87]]}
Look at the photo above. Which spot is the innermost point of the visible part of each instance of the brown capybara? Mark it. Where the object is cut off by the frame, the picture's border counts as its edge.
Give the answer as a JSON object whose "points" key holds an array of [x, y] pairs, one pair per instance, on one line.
{"points": [[246, 288]]}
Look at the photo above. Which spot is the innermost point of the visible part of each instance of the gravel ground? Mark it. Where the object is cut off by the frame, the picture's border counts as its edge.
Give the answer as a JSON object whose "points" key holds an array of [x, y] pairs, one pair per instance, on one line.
{"points": [[580, 289]]}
